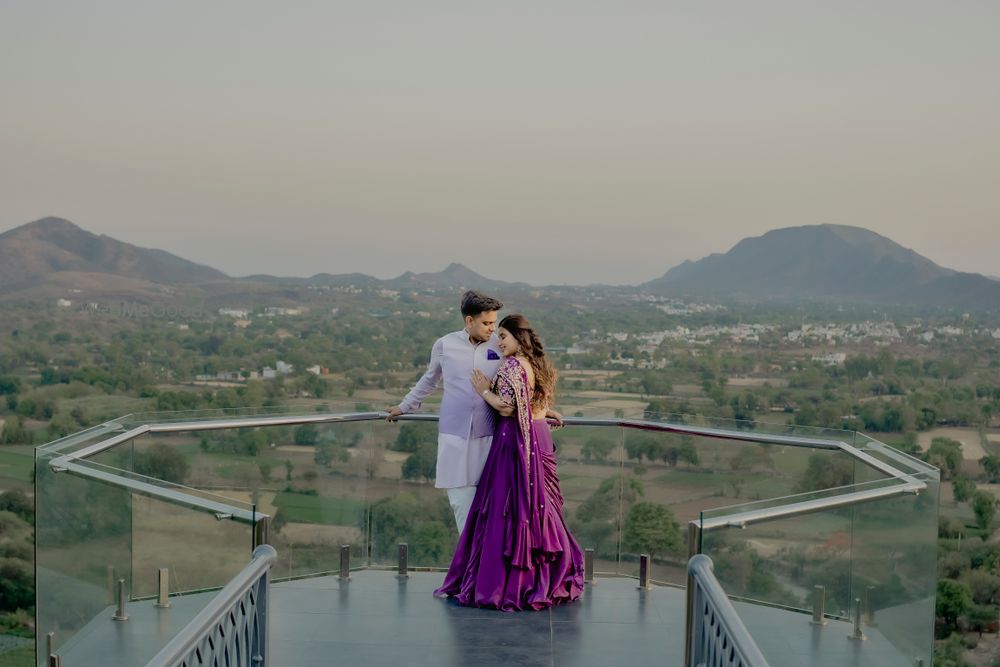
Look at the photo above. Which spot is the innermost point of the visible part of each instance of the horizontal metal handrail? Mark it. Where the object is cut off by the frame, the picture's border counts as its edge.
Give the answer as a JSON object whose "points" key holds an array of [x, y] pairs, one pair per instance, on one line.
{"points": [[716, 635], [201, 627], [99, 447], [908, 483], [80, 436], [174, 496], [744, 519]]}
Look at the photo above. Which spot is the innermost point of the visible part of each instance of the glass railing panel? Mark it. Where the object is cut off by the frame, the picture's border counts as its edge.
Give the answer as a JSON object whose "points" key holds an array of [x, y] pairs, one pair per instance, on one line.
{"points": [[595, 486], [312, 479], [894, 573], [780, 561], [81, 439], [404, 506], [199, 549], [687, 475], [310, 476], [898, 459], [83, 544], [880, 550]]}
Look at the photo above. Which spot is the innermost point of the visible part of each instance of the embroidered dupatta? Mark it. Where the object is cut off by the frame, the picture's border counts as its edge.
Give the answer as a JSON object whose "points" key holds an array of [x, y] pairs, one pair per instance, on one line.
{"points": [[527, 501]]}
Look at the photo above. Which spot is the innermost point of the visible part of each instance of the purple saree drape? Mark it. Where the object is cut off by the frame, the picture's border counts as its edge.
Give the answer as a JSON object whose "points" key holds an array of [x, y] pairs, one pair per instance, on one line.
{"points": [[516, 552]]}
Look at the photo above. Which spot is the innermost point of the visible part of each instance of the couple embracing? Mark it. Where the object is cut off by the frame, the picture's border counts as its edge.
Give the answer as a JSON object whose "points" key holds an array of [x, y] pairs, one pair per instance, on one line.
{"points": [[497, 462]]}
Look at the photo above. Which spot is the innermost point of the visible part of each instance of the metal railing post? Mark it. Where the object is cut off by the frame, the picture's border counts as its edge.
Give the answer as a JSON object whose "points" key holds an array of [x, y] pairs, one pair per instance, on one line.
{"points": [[120, 614], [857, 635], [819, 605], [262, 531], [163, 588], [345, 561], [644, 573], [869, 607], [53, 659], [403, 571], [588, 566]]}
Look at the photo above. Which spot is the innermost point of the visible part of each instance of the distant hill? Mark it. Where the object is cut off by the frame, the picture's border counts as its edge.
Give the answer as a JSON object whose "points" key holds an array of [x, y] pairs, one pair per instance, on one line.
{"points": [[49, 257], [453, 276], [39, 251], [831, 262]]}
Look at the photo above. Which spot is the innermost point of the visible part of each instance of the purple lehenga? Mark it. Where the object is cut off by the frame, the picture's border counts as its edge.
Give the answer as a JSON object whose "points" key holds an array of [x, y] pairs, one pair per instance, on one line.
{"points": [[516, 552]]}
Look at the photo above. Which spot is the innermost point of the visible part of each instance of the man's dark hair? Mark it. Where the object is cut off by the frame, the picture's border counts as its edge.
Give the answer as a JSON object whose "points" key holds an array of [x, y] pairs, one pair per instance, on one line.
{"points": [[474, 303]]}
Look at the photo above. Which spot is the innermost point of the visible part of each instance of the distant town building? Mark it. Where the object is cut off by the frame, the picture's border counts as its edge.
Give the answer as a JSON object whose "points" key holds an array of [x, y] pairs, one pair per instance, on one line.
{"points": [[831, 358], [241, 313], [272, 311], [64, 303]]}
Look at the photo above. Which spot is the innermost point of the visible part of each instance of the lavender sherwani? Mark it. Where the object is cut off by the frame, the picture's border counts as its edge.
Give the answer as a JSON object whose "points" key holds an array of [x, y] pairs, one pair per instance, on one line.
{"points": [[465, 426]]}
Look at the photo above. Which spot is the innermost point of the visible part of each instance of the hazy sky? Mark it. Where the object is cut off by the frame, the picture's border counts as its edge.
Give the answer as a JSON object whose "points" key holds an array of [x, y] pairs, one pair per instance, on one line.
{"points": [[543, 141]]}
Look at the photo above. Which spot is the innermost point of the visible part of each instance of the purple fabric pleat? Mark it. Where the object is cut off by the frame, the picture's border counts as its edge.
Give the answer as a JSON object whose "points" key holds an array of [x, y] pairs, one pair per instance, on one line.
{"points": [[516, 552]]}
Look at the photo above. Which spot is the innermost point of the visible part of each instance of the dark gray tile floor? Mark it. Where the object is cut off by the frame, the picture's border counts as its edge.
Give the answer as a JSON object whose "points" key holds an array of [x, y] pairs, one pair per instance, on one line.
{"points": [[375, 619]]}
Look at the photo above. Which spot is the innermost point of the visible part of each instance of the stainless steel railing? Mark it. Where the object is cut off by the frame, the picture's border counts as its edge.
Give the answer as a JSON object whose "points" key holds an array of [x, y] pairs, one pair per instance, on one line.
{"points": [[232, 630], [715, 632], [897, 482]]}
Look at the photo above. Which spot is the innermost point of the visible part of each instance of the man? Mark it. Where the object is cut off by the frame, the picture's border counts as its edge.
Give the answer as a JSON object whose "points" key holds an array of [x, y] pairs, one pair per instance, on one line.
{"points": [[465, 425]]}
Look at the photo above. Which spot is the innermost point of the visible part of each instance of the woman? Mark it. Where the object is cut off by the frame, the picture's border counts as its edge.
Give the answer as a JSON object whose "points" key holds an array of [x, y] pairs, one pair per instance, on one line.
{"points": [[515, 552]]}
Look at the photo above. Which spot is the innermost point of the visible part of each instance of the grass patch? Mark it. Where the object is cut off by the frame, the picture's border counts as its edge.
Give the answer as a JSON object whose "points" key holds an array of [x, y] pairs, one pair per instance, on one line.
{"points": [[19, 657], [105, 406], [16, 466], [300, 508]]}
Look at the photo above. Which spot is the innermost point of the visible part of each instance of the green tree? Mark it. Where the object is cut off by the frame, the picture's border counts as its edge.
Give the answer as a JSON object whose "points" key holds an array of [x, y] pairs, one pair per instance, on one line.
{"points": [[984, 586], [603, 503], [825, 471], [946, 454], [650, 528], [980, 616], [953, 600], [962, 488], [597, 448], [985, 507], [161, 461], [433, 543], [421, 463], [306, 434], [17, 501], [15, 433], [412, 436], [687, 452], [991, 465], [328, 453], [17, 584], [752, 456], [9, 384]]}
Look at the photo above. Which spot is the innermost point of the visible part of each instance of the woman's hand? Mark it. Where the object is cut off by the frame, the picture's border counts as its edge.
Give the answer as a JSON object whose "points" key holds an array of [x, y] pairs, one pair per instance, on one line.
{"points": [[554, 416], [479, 381]]}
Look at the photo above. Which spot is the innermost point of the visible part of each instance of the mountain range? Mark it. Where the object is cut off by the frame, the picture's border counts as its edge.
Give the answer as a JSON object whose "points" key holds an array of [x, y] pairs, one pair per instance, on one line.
{"points": [[816, 262], [827, 262]]}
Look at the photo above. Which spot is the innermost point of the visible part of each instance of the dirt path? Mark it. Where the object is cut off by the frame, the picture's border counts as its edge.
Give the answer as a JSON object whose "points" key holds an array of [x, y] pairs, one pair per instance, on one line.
{"points": [[972, 449]]}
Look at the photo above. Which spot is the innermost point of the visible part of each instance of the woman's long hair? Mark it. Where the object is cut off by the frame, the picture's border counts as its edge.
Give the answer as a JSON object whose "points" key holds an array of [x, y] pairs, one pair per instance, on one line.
{"points": [[531, 346]]}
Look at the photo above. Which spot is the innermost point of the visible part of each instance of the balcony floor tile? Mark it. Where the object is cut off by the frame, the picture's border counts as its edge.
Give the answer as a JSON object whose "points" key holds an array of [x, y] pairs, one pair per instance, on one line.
{"points": [[375, 619]]}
